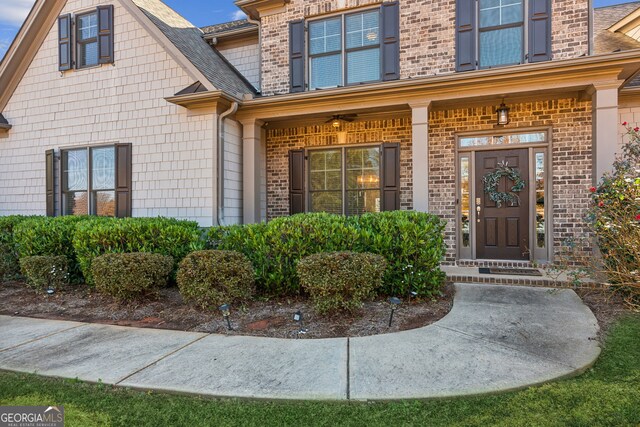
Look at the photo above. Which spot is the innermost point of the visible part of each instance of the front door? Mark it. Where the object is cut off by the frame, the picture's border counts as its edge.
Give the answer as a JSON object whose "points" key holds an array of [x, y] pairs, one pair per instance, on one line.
{"points": [[502, 228]]}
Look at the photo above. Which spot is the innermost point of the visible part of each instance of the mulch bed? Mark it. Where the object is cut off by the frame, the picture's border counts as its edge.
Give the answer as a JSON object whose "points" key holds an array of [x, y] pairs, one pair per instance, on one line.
{"points": [[267, 318]]}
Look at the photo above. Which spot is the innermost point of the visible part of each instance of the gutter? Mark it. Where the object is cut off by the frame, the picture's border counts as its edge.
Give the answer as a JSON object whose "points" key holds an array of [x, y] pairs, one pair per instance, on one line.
{"points": [[258, 23], [220, 165]]}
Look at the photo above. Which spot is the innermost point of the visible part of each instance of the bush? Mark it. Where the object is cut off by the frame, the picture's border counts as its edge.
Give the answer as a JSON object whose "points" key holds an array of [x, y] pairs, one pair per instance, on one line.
{"points": [[40, 236], [413, 242], [130, 275], [164, 236], [615, 218], [9, 264], [44, 271], [213, 278], [341, 281]]}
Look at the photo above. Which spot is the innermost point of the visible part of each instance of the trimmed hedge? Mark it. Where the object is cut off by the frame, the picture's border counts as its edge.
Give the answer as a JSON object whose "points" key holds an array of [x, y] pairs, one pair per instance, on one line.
{"points": [[341, 281], [213, 278], [166, 236], [130, 275], [412, 242], [43, 271], [41, 236], [9, 265]]}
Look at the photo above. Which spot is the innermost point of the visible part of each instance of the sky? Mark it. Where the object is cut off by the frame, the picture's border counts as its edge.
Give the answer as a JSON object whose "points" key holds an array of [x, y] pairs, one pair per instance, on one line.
{"points": [[199, 12]]}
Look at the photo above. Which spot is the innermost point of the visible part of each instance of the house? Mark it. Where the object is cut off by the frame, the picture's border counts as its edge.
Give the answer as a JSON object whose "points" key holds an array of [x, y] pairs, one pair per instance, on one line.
{"points": [[122, 107]]}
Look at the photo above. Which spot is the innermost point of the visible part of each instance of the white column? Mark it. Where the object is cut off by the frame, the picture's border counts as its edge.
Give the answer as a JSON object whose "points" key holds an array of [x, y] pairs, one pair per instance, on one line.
{"points": [[252, 159], [420, 155], [605, 126]]}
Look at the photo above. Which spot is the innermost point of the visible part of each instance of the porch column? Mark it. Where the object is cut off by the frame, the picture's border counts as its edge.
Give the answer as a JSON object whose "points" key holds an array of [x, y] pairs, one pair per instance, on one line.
{"points": [[253, 163], [605, 126], [420, 155]]}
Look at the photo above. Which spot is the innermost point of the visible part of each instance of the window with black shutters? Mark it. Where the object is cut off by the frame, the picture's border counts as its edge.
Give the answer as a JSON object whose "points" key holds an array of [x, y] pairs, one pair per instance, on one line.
{"points": [[86, 39]]}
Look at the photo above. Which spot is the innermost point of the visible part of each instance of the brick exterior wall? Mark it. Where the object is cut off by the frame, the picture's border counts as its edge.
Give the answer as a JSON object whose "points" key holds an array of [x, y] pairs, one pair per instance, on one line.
{"points": [[173, 151], [570, 120], [427, 36], [280, 141]]}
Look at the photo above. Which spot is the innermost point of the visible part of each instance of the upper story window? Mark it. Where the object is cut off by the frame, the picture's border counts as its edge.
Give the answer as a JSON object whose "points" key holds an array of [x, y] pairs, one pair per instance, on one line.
{"points": [[501, 38], [492, 33], [354, 48], [335, 60], [86, 39]]}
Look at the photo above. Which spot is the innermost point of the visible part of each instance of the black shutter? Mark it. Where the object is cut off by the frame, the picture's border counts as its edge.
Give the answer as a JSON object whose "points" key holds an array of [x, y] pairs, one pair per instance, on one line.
{"points": [[64, 42], [105, 34], [296, 181], [390, 41], [49, 182], [539, 30], [466, 35], [123, 180], [391, 177], [296, 55]]}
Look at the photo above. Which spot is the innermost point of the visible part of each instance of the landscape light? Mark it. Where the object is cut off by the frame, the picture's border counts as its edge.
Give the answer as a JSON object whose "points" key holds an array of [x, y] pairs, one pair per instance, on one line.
{"points": [[394, 302], [226, 312]]}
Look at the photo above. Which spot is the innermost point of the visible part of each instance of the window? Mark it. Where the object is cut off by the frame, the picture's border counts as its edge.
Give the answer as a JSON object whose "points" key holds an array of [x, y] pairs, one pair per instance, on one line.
{"points": [[518, 138], [540, 195], [501, 39], [89, 181], [345, 180], [87, 39], [354, 58]]}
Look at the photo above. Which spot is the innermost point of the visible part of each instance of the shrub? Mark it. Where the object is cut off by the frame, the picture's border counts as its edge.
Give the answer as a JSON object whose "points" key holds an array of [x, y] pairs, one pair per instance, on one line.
{"points": [[341, 281], [43, 271], [213, 278], [130, 275], [49, 236], [615, 218], [9, 265], [164, 236], [413, 242]]}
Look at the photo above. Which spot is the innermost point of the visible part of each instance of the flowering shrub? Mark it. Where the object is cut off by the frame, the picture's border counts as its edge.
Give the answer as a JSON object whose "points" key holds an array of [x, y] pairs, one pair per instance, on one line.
{"points": [[615, 217]]}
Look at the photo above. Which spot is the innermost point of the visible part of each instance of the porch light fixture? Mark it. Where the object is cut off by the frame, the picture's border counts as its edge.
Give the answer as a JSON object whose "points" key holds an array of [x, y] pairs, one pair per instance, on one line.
{"points": [[503, 115], [394, 302], [336, 123], [226, 312]]}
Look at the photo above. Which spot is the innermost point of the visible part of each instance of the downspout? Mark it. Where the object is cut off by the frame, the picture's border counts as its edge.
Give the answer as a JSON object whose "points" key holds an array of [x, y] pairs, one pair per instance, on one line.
{"points": [[256, 22], [220, 166]]}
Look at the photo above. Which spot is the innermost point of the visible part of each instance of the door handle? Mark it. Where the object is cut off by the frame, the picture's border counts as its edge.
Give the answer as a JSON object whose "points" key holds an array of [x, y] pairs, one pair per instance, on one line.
{"points": [[478, 211]]}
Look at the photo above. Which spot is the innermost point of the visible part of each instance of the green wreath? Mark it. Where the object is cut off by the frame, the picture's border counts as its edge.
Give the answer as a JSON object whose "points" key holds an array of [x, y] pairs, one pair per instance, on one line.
{"points": [[492, 179]]}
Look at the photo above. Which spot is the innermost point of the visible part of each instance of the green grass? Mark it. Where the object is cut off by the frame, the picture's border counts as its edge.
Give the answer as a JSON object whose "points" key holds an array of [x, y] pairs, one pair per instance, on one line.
{"points": [[607, 395]]}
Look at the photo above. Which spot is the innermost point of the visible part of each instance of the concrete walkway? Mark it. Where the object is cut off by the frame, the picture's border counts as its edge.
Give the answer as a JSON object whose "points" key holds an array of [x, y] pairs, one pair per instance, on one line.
{"points": [[496, 338]]}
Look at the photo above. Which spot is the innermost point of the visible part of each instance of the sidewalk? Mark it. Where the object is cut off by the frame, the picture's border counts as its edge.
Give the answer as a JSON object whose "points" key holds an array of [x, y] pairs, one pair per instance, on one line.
{"points": [[496, 338]]}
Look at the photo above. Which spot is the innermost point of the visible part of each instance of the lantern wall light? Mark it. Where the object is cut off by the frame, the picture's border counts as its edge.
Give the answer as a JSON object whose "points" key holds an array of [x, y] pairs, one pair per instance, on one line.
{"points": [[503, 115]]}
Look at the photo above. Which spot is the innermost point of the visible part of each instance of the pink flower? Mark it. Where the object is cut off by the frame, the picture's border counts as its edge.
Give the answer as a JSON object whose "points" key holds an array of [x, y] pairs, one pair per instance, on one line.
{"points": [[638, 217], [636, 129], [601, 204], [592, 189], [624, 123]]}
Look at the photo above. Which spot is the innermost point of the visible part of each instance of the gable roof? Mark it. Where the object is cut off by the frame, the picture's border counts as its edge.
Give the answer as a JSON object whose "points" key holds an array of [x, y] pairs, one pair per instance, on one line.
{"points": [[179, 37], [607, 41], [188, 39]]}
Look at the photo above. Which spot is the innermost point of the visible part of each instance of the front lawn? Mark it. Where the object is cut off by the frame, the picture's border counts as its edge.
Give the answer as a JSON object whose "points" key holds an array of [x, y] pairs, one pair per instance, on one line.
{"points": [[609, 394]]}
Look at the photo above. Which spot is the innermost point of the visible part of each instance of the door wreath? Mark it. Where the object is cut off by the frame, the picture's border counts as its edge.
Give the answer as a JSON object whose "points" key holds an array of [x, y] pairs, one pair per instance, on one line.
{"points": [[492, 179]]}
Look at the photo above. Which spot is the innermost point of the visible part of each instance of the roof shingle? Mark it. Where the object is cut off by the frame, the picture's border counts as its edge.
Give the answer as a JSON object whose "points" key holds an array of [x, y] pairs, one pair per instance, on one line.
{"points": [[188, 39], [217, 29], [604, 17]]}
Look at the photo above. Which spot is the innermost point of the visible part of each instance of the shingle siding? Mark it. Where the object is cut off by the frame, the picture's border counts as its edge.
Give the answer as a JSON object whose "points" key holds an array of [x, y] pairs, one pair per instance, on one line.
{"points": [[173, 152]]}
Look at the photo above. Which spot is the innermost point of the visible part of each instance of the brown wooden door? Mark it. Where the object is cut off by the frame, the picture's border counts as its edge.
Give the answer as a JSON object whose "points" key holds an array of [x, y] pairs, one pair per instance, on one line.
{"points": [[502, 232]]}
